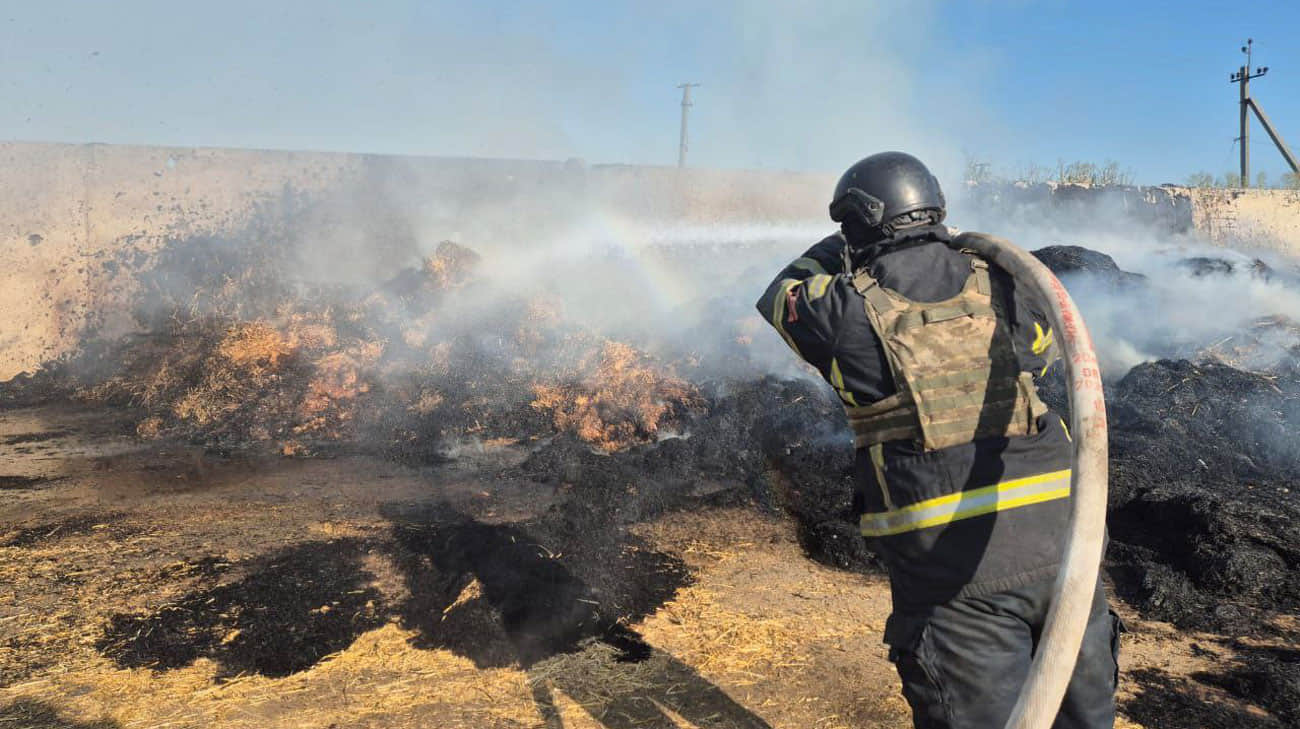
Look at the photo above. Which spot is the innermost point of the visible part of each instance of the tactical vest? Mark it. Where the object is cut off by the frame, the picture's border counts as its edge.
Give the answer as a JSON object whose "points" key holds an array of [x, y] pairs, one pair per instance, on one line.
{"points": [[954, 364]]}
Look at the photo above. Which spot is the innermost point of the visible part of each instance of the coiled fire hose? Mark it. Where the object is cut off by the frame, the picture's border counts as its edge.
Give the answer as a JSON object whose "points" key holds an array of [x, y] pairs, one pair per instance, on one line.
{"points": [[1049, 675]]}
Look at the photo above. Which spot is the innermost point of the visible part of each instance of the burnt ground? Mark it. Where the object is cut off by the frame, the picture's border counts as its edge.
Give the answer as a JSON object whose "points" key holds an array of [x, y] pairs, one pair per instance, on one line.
{"points": [[152, 586], [144, 572]]}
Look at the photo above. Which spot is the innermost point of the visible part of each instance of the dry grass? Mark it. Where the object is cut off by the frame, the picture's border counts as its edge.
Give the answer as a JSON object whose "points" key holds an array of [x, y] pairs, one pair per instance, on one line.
{"points": [[378, 680], [725, 643]]}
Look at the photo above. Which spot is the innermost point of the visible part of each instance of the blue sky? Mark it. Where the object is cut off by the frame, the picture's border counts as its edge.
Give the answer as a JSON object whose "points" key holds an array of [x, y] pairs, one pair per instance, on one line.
{"points": [[797, 85]]}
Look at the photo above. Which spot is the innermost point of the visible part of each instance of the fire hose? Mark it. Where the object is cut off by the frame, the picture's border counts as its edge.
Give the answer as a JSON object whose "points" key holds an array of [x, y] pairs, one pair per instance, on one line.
{"points": [[1049, 675]]}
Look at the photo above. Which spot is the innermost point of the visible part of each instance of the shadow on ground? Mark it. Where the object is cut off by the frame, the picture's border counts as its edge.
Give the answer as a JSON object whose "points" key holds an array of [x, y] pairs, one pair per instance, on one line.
{"points": [[524, 594], [505, 594], [499, 594], [1260, 676], [27, 714], [660, 687], [281, 613]]}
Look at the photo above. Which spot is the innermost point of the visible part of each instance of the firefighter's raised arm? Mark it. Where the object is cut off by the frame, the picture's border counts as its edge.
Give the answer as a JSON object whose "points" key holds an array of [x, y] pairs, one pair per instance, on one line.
{"points": [[802, 303]]}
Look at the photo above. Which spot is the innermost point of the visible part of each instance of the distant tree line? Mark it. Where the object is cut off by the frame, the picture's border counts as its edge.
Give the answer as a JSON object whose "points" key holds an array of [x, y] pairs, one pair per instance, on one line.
{"points": [[1092, 174], [1287, 181]]}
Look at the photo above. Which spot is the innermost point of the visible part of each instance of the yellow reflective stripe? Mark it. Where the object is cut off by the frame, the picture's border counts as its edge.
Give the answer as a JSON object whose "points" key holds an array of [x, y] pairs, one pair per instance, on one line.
{"points": [[778, 311], [837, 381], [1042, 340], [1003, 486], [877, 453], [817, 286], [968, 504], [810, 265]]}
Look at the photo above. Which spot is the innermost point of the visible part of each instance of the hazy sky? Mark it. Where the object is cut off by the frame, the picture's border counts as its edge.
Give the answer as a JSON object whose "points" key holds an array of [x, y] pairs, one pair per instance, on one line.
{"points": [[804, 85]]}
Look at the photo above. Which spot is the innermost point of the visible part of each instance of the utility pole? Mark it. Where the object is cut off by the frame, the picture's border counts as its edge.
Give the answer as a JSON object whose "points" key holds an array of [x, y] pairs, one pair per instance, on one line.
{"points": [[686, 104], [1242, 78]]}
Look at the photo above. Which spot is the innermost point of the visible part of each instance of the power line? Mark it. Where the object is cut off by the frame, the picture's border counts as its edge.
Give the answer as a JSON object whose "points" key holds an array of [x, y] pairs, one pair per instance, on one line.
{"points": [[1242, 78], [686, 105]]}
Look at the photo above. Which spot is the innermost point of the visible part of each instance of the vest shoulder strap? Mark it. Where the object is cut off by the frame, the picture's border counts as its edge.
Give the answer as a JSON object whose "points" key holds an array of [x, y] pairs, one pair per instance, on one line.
{"points": [[877, 298]]}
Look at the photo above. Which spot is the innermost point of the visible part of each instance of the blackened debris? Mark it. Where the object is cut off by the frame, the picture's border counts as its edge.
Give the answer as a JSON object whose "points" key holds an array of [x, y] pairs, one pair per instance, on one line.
{"points": [[1203, 465], [1214, 266], [1206, 266], [72, 526], [782, 444], [1068, 260], [285, 613]]}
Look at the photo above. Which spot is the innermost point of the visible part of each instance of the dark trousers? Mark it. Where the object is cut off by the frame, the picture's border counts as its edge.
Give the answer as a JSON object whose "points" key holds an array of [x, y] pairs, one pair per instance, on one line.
{"points": [[963, 663]]}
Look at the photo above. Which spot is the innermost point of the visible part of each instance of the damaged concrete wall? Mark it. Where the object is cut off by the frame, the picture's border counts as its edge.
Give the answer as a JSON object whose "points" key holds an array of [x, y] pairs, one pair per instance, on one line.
{"points": [[1166, 209], [1268, 219], [68, 210], [43, 297]]}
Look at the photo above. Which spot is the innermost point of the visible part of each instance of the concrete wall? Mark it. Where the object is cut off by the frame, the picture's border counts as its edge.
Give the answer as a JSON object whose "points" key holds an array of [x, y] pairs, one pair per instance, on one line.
{"points": [[73, 218], [1165, 209], [1268, 219], [67, 208], [1252, 219]]}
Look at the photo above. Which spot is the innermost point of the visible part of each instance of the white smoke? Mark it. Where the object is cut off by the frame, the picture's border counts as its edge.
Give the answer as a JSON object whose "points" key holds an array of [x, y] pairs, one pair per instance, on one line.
{"points": [[1178, 311]]}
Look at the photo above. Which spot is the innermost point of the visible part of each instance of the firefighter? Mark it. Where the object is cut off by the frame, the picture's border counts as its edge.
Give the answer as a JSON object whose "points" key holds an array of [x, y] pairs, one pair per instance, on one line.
{"points": [[962, 473]]}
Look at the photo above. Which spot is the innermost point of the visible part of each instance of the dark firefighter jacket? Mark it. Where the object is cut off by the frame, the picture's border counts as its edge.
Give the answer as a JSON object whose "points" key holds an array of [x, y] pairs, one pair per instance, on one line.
{"points": [[815, 308]]}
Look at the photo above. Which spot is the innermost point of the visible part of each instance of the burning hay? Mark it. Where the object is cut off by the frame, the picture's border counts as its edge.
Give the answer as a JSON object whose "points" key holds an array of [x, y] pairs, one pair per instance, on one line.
{"points": [[390, 371], [622, 402]]}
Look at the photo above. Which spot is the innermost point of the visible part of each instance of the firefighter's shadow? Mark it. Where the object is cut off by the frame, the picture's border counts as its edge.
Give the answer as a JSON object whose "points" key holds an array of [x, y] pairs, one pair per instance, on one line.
{"points": [[641, 695], [554, 596]]}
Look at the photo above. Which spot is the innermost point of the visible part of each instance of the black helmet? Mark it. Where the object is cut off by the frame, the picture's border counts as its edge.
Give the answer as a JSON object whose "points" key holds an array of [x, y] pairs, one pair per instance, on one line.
{"points": [[881, 189]]}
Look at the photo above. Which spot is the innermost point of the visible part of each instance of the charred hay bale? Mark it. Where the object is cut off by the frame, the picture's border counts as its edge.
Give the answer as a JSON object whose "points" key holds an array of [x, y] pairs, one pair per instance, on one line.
{"points": [[1177, 416], [1187, 555], [1077, 260], [1205, 266], [1200, 266], [1204, 458], [780, 443], [1203, 461], [808, 453]]}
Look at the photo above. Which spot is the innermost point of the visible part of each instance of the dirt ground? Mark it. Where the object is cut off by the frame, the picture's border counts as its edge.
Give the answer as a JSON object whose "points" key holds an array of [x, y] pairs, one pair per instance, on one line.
{"points": [[148, 585]]}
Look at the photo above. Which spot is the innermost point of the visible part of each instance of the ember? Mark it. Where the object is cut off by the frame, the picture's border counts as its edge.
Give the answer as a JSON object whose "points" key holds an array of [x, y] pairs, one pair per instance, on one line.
{"points": [[623, 402]]}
